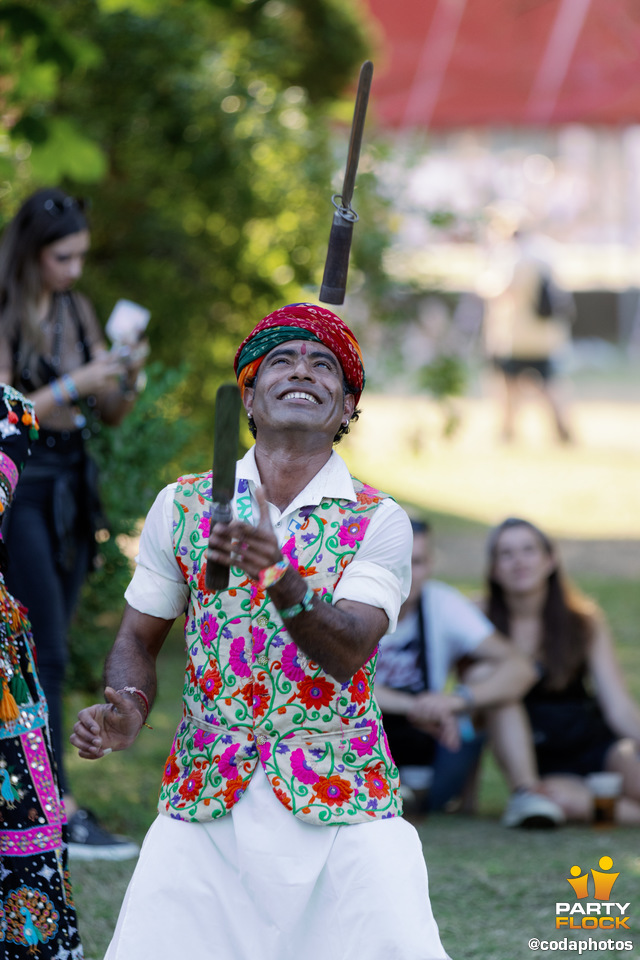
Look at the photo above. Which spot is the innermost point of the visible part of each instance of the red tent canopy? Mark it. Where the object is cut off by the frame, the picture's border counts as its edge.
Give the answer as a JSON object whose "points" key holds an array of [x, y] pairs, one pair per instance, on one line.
{"points": [[454, 63]]}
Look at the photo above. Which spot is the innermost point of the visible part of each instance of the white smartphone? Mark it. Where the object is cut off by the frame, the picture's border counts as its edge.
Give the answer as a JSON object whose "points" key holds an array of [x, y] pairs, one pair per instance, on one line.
{"points": [[127, 323]]}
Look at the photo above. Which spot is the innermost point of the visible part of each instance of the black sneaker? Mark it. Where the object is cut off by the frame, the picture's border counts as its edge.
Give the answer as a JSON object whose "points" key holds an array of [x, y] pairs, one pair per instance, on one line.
{"points": [[89, 841]]}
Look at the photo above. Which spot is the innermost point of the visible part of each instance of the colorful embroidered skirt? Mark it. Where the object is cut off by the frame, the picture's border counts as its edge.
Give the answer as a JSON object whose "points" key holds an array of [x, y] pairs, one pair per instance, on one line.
{"points": [[37, 915]]}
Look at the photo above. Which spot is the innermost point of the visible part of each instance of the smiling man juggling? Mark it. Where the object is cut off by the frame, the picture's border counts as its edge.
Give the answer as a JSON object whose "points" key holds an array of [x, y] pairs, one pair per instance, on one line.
{"points": [[279, 832]]}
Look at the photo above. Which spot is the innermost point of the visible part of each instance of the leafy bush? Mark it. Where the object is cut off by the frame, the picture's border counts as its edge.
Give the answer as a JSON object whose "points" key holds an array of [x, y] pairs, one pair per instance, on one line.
{"points": [[135, 460]]}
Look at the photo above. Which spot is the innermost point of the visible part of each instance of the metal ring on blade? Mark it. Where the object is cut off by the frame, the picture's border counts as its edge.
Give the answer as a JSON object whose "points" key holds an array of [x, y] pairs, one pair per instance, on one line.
{"points": [[347, 213]]}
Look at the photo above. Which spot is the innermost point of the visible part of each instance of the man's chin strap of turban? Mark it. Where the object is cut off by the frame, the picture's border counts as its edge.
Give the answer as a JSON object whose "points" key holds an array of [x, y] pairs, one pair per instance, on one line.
{"points": [[301, 321]]}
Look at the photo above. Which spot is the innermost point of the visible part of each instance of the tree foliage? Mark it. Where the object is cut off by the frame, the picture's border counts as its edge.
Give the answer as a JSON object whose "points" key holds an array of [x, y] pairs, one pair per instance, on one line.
{"points": [[37, 143], [130, 471], [211, 194], [201, 132]]}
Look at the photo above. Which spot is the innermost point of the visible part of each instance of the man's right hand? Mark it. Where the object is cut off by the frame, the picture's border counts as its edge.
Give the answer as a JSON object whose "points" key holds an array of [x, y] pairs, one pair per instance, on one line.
{"points": [[243, 545], [109, 726]]}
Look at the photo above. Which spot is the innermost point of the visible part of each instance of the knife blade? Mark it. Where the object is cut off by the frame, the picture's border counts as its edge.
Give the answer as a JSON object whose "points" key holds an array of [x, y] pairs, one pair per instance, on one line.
{"points": [[334, 281], [226, 429]]}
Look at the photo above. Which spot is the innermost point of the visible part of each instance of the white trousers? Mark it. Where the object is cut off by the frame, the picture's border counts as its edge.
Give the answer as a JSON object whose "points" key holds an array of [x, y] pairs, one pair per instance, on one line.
{"points": [[260, 884]]}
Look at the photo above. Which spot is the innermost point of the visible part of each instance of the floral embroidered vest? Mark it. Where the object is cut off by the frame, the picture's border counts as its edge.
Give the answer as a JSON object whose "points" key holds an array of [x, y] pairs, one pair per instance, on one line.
{"points": [[251, 695]]}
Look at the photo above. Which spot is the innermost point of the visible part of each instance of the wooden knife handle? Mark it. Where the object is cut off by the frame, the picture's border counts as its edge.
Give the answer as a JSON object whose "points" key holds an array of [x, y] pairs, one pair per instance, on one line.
{"points": [[334, 281], [216, 576]]}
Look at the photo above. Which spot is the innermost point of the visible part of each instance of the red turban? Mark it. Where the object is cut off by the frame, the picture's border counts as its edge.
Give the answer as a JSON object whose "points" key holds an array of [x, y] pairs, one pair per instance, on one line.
{"points": [[301, 321]]}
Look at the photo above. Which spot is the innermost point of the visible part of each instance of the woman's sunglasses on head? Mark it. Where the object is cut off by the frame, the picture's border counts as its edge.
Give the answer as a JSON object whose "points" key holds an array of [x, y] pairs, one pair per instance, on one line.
{"points": [[57, 208]]}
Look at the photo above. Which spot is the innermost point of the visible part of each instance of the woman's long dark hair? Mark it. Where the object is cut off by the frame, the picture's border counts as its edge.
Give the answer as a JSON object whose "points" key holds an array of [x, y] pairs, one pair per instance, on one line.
{"points": [[47, 216], [568, 617]]}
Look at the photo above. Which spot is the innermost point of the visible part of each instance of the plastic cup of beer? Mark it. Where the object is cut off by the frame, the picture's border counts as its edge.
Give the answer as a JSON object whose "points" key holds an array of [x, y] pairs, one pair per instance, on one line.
{"points": [[605, 788]]}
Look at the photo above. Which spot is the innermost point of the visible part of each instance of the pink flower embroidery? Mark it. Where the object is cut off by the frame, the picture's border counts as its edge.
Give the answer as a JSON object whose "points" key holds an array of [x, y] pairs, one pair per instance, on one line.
{"points": [[301, 769], [208, 628], [365, 744], [201, 739], [353, 530], [289, 551], [264, 749], [290, 663], [227, 764], [259, 637], [238, 658], [205, 525]]}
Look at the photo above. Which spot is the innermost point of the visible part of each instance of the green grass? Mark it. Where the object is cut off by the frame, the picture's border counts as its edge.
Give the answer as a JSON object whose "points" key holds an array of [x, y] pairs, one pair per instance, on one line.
{"points": [[492, 889], [446, 524]]}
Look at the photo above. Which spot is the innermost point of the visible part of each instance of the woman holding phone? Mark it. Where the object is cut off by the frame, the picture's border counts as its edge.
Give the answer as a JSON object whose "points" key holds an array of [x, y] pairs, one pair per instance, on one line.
{"points": [[52, 349]]}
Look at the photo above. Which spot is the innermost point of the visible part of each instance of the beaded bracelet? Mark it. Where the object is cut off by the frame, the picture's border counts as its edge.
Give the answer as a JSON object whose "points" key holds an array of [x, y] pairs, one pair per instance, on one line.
{"points": [[70, 387], [465, 693], [270, 575], [58, 395], [136, 692], [304, 606]]}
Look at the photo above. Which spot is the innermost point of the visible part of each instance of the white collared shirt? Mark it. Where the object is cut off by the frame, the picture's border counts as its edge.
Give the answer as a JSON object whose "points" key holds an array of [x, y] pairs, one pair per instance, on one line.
{"points": [[379, 574]]}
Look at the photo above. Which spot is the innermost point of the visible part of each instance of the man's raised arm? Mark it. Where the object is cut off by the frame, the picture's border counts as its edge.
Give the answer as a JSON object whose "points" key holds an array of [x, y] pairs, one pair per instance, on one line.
{"points": [[339, 637]]}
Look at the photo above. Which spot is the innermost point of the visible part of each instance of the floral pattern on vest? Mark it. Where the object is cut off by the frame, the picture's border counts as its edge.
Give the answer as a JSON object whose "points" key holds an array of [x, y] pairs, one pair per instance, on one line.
{"points": [[251, 695]]}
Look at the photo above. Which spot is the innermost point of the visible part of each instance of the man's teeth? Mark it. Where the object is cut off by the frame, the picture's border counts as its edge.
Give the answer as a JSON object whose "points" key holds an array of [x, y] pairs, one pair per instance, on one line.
{"points": [[300, 396]]}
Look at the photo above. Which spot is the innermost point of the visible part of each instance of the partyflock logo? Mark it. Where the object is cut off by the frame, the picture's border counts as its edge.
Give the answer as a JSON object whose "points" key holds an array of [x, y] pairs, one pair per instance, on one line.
{"points": [[601, 912]]}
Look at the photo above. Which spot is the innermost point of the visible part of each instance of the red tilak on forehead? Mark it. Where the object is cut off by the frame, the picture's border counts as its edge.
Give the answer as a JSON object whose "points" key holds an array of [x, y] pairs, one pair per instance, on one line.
{"points": [[317, 325], [303, 348]]}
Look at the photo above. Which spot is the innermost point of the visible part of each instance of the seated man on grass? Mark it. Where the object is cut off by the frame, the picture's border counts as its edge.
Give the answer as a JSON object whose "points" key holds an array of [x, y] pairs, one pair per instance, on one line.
{"points": [[431, 733]]}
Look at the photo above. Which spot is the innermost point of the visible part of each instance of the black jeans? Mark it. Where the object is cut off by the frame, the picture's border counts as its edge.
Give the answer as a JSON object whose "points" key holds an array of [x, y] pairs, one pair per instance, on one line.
{"points": [[451, 768], [48, 543]]}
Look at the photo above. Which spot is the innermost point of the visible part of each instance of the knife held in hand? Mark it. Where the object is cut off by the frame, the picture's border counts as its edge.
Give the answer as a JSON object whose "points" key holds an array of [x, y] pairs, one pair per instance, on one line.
{"points": [[226, 431]]}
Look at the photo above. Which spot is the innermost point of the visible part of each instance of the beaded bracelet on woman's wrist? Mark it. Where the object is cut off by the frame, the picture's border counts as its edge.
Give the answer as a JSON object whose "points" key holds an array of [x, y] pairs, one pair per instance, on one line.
{"points": [[58, 395], [70, 387]]}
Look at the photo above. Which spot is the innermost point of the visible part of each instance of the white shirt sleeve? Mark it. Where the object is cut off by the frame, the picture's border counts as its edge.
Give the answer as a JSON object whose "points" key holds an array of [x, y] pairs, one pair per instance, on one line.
{"points": [[380, 572], [158, 587], [457, 619]]}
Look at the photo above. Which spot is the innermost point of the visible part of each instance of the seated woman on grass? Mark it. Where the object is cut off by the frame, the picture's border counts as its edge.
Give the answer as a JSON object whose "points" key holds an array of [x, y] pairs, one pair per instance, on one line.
{"points": [[579, 718]]}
